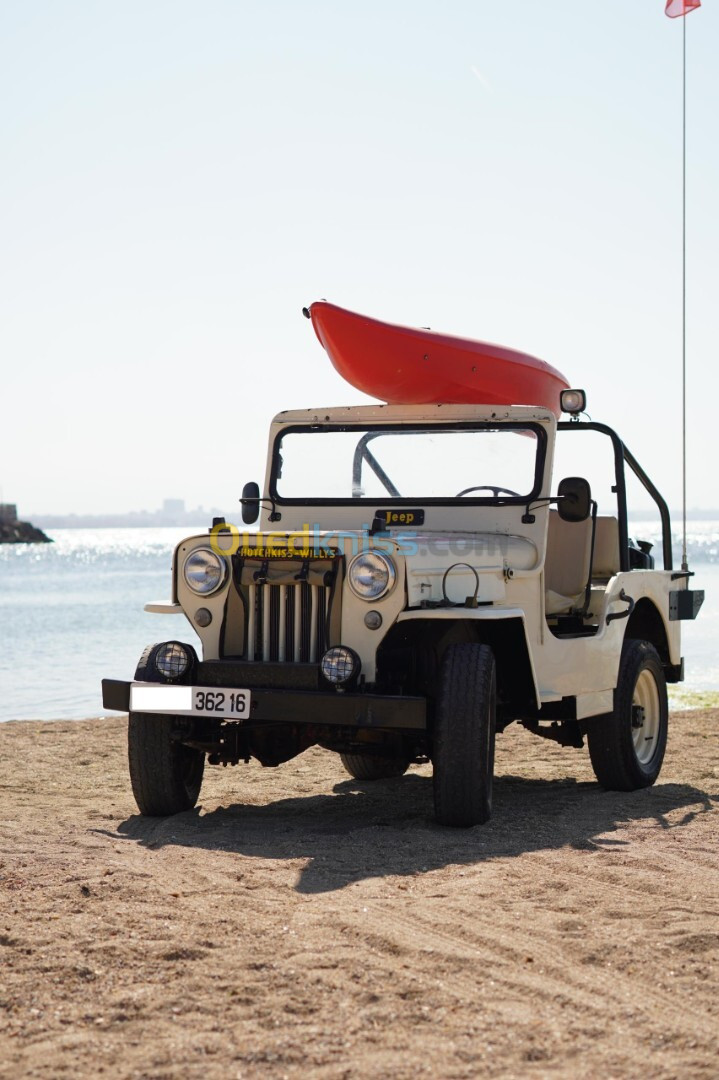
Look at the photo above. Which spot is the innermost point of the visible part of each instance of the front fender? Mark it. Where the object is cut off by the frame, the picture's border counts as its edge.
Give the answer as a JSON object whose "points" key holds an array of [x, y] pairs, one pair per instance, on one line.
{"points": [[504, 629]]}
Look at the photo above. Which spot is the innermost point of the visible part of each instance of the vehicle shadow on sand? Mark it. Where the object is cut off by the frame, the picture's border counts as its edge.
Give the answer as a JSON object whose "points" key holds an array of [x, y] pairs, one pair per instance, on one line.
{"points": [[366, 830]]}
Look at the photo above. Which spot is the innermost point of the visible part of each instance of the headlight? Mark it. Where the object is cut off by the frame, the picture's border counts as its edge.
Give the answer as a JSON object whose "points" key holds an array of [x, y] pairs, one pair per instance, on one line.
{"points": [[340, 664], [172, 660], [204, 571], [371, 575]]}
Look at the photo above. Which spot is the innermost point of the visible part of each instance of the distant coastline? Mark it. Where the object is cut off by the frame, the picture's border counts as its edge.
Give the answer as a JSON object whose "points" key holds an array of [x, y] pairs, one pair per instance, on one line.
{"points": [[675, 515], [139, 519], [144, 519]]}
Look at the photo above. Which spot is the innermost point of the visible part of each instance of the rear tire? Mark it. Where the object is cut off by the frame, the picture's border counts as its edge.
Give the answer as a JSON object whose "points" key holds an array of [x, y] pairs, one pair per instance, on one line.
{"points": [[166, 776], [464, 732], [374, 767], [627, 746]]}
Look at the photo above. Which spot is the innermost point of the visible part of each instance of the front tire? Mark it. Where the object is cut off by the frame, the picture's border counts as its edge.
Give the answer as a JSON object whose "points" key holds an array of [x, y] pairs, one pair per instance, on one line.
{"points": [[627, 746], [166, 776], [464, 732]]}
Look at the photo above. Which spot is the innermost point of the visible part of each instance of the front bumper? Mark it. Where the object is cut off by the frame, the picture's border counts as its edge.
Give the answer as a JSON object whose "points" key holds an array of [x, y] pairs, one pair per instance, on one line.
{"points": [[316, 707]]}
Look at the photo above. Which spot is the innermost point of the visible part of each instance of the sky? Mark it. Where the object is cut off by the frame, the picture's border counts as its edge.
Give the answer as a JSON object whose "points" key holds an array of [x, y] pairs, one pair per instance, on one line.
{"points": [[178, 179]]}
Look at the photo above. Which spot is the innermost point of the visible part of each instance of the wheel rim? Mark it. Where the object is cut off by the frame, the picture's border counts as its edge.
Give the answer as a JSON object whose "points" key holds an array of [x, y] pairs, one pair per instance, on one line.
{"points": [[646, 717]]}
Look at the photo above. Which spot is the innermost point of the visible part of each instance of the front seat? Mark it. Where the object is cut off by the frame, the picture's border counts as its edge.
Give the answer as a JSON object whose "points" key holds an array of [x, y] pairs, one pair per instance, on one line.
{"points": [[567, 564]]}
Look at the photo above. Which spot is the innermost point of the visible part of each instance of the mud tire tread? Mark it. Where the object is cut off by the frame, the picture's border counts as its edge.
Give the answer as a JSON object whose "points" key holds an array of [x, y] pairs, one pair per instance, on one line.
{"points": [[464, 734], [166, 776]]}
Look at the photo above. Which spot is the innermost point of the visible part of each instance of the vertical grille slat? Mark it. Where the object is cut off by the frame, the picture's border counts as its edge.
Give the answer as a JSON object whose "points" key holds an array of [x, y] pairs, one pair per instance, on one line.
{"points": [[297, 624], [287, 623], [282, 628], [313, 623], [266, 592], [305, 638], [251, 623]]}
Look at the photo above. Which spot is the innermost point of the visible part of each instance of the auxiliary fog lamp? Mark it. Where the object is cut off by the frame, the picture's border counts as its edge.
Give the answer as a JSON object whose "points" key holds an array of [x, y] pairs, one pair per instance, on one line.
{"points": [[573, 401]]}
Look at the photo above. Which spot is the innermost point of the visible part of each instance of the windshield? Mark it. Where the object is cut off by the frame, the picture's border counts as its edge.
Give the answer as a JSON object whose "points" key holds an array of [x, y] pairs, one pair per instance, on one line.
{"points": [[408, 462]]}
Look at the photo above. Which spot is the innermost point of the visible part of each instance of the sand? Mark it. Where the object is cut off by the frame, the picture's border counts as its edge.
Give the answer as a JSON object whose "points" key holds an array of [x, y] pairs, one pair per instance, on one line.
{"points": [[303, 924]]}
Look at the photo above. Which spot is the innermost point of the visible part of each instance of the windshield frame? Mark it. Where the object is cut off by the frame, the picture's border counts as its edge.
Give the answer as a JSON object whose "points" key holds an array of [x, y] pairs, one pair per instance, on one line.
{"points": [[470, 425]]}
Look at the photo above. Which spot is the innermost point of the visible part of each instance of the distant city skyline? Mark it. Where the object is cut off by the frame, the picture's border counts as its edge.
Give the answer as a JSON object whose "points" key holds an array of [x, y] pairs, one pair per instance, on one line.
{"points": [[172, 512]]}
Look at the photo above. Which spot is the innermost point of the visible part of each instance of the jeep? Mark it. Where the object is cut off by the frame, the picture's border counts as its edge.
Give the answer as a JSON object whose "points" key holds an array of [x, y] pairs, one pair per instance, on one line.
{"points": [[418, 581]]}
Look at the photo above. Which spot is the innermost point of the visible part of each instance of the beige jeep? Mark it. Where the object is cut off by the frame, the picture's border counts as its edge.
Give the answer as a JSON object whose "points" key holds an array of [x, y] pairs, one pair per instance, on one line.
{"points": [[419, 580]]}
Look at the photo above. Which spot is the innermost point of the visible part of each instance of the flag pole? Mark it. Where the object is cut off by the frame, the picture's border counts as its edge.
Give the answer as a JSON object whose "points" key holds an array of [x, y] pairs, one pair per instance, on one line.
{"points": [[685, 564]]}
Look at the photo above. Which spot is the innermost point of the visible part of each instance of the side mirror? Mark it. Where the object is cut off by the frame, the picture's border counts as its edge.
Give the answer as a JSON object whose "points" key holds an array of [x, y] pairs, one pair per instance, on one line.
{"points": [[250, 502], [574, 499]]}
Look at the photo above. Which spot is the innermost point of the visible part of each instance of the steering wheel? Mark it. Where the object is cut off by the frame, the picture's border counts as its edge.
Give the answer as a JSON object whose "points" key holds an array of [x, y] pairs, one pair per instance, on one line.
{"points": [[488, 487]]}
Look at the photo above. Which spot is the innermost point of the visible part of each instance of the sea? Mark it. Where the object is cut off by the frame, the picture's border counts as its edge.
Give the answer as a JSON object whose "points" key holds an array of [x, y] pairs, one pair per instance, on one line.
{"points": [[71, 613]]}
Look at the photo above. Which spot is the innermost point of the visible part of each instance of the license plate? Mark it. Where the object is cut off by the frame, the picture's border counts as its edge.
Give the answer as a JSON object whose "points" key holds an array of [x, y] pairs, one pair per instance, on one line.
{"points": [[228, 703]]}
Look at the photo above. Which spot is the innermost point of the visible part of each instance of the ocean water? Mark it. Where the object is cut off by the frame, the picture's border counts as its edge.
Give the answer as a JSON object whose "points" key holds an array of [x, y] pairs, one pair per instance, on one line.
{"points": [[71, 613]]}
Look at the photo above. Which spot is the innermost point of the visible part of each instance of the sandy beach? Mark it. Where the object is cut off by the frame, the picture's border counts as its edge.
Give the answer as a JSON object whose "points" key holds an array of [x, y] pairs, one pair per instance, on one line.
{"points": [[300, 923]]}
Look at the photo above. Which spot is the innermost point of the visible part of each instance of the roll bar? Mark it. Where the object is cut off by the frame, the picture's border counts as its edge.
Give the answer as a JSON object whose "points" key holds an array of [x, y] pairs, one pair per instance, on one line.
{"points": [[623, 455]]}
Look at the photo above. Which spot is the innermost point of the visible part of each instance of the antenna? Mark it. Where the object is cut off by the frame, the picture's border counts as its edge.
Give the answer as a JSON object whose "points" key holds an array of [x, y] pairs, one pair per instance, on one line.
{"points": [[685, 564], [676, 9]]}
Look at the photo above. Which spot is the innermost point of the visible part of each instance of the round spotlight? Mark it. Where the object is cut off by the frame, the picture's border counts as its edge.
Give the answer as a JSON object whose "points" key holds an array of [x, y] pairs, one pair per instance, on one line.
{"points": [[203, 616], [172, 660], [340, 664], [373, 620]]}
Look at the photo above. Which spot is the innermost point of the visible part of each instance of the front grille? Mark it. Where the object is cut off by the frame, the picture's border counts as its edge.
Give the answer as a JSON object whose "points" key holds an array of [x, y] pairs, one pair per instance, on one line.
{"points": [[286, 622]]}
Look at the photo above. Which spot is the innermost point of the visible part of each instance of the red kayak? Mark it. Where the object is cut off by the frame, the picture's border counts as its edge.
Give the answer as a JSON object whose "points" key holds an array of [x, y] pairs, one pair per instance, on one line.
{"points": [[405, 365]]}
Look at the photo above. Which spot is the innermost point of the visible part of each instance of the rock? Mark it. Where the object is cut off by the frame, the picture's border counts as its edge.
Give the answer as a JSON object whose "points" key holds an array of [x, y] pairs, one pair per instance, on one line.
{"points": [[22, 532]]}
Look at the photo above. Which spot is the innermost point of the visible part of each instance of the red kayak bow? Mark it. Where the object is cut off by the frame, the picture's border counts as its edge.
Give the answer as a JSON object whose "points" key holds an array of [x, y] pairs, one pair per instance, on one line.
{"points": [[405, 365]]}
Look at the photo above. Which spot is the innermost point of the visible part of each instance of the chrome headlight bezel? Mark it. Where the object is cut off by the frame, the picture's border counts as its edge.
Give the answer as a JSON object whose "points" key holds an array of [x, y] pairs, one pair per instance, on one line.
{"points": [[382, 565], [212, 584]]}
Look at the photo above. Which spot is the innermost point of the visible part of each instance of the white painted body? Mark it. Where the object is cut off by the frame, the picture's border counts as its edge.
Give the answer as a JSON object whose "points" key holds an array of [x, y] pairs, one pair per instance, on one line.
{"points": [[507, 554]]}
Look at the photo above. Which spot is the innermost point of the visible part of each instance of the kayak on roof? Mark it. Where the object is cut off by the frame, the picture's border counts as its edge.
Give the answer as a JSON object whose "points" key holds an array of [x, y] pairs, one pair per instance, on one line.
{"points": [[405, 365]]}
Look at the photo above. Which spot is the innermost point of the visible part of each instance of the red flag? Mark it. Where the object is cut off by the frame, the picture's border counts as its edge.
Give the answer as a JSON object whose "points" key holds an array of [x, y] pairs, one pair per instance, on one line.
{"points": [[675, 8]]}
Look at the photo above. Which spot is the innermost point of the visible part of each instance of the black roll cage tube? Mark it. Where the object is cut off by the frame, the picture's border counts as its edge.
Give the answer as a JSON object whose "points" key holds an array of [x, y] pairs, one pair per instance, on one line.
{"points": [[621, 455]]}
